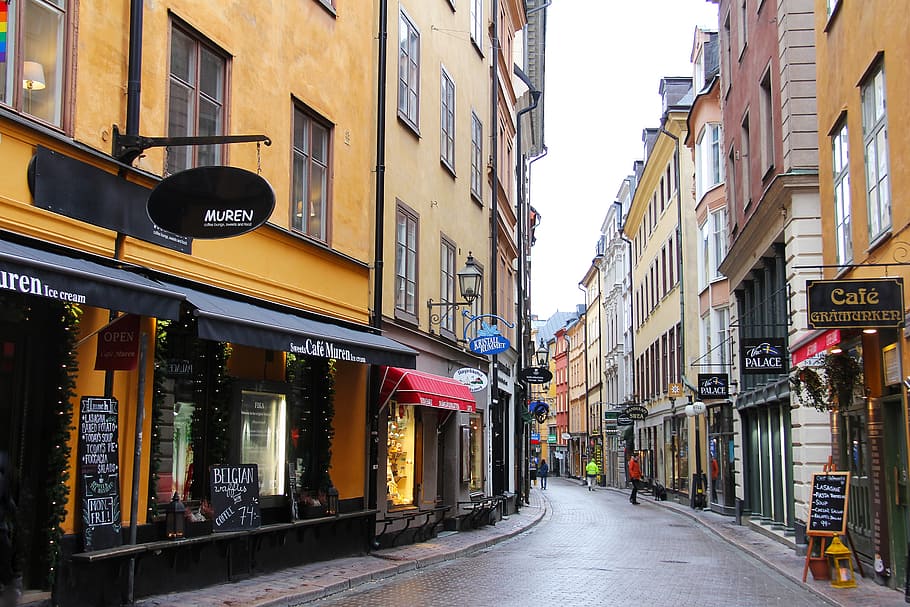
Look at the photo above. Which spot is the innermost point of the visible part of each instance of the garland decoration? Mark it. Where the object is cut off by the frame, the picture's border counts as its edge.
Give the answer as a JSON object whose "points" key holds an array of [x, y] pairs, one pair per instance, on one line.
{"points": [[158, 403], [312, 383], [210, 438], [60, 433]]}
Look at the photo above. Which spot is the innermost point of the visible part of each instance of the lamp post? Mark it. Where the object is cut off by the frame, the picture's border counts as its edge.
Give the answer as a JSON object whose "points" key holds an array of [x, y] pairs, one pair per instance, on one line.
{"points": [[470, 282], [697, 491]]}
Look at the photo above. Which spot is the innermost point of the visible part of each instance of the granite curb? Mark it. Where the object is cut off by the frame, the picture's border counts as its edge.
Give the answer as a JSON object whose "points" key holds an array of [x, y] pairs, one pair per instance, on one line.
{"points": [[785, 569]]}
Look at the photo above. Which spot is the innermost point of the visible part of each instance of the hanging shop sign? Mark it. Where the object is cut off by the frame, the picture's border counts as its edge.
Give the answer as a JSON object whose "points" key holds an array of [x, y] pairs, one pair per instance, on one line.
{"points": [[118, 345], [535, 438], [838, 304], [551, 439], [713, 385], [475, 379], [211, 202], [763, 355], [611, 424], [487, 340], [635, 412], [624, 420], [99, 472], [536, 375], [235, 497]]}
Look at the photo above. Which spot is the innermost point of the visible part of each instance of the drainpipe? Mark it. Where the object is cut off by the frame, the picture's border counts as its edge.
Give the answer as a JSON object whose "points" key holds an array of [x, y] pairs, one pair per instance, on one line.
{"points": [[379, 242], [585, 349], [621, 227], [679, 249], [499, 470], [134, 76], [376, 315]]}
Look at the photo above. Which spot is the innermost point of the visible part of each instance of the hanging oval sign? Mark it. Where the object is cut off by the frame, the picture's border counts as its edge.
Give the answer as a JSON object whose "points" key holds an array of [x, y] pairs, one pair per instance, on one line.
{"points": [[211, 202], [475, 379], [636, 412], [489, 344], [536, 375], [624, 420]]}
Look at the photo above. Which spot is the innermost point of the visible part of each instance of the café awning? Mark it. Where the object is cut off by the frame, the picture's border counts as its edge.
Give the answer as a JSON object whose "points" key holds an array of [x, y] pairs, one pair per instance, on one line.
{"points": [[71, 278], [223, 317], [411, 387]]}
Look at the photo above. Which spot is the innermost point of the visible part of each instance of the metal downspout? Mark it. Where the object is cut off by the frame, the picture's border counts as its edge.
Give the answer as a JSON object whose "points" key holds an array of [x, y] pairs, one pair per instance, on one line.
{"points": [[376, 315], [498, 475], [134, 76]]}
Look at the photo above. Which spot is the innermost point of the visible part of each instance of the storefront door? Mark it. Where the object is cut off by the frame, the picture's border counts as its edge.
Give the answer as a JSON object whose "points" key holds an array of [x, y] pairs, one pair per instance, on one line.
{"points": [[856, 456], [896, 483], [27, 356]]}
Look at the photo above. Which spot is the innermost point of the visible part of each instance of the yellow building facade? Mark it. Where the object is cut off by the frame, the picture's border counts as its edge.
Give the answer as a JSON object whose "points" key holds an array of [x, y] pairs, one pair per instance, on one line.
{"points": [[240, 336], [861, 65]]}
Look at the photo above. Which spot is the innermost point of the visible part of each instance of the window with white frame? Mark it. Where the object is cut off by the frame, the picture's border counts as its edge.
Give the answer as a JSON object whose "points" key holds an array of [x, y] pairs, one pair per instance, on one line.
{"points": [[721, 326], [707, 353], [406, 261], [309, 187], [447, 284], [408, 71], [718, 221], [32, 57], [477, 23], [447, 120], [766, 99], [745, 162], [875, 141], [709, 170], [196, 95], [476, 157], [841, 175]]}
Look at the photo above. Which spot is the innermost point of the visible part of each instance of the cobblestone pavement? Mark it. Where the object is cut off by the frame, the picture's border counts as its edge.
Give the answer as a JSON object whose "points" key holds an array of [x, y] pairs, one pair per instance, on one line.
{"points": [[588, 548]]}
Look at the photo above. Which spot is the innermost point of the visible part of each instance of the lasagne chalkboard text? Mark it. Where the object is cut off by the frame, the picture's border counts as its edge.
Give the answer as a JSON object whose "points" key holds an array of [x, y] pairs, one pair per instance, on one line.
{"points": [[828, 508]]}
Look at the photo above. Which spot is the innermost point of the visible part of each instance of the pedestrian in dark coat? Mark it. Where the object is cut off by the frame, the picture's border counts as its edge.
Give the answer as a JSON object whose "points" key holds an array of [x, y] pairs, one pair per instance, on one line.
{"points": [[542, 472]]}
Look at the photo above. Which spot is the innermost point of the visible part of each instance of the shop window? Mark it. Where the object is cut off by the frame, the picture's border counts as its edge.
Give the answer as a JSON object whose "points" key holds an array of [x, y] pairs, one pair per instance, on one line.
{"points": [[32, 57], [475, 452], [401, 447], [263, 423], [196, 96]]}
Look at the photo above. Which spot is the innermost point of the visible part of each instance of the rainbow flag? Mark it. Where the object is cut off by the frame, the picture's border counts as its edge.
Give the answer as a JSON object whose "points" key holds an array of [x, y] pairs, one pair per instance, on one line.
{"points": [[4, 19]]}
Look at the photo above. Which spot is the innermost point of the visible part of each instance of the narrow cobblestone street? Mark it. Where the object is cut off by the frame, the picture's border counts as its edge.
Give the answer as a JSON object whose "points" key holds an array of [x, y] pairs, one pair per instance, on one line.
{"points": [[593, 549]]}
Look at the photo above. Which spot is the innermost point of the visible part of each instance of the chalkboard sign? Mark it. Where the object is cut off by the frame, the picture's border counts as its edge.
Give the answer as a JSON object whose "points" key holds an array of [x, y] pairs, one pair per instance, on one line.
{"points": [[235, 497], [828, 508], [99, 472]]}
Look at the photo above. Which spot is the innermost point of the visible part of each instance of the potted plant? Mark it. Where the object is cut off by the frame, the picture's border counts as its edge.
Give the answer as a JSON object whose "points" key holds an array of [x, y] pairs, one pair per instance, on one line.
{"points": [[830, 385]]}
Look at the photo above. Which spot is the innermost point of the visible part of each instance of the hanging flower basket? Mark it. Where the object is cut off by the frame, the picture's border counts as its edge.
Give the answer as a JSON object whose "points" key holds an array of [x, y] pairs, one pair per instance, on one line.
{"points": [[829, 386]]}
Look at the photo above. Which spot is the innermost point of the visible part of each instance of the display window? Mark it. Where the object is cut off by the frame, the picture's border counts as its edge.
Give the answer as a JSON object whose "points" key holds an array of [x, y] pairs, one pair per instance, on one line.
{"points": [[263, 422], [401, 447], [475, 452]]}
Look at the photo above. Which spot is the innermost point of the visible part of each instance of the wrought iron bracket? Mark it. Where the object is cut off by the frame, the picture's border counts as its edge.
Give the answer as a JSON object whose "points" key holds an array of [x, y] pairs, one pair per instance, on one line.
{"points": [[447, 307], [126, 148]]}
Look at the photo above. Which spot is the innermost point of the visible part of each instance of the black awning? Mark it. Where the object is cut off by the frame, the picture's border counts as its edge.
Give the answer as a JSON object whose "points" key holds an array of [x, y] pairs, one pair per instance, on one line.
{"points": [[225, 318], [71, 279]]}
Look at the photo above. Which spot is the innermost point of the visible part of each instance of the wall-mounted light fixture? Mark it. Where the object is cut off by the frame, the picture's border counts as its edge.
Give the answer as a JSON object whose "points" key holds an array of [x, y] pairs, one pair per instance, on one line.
{"points": [[470, 282]]}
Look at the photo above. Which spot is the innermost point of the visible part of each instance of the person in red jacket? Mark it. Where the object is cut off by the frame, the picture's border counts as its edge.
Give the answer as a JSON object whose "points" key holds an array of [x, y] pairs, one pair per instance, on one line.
{"points": [[635, 477]]}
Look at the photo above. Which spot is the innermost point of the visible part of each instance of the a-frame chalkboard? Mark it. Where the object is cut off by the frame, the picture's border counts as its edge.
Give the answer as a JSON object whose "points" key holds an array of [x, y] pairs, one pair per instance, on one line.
{"points": [[828, 504]]}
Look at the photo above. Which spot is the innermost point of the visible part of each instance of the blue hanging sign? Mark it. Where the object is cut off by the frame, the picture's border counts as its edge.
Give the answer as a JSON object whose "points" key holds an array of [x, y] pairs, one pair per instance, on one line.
{"points": [[488, 341]]}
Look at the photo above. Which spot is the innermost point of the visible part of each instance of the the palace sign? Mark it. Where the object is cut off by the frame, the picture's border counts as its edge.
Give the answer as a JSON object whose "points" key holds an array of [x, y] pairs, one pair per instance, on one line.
{"points": [[713, 385], [838, 304], [763, 355]]}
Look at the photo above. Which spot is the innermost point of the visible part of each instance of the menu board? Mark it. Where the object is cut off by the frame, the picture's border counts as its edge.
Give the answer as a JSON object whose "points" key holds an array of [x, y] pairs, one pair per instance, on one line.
{"points": [[235, 497], [99, 472], [828, 508]]}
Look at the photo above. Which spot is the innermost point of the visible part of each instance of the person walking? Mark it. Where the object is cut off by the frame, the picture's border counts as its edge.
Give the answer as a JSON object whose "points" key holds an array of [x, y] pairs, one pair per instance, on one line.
{"points": [[542, 471], [635, 477], [591, 472]]}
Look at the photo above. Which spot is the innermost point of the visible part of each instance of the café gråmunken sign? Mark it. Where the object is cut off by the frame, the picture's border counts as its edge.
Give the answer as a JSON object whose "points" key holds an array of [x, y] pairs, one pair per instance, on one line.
{"points": [[838, 304]]}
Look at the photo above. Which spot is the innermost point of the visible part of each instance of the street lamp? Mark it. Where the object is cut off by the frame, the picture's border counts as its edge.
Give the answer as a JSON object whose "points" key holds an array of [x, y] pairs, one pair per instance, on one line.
{"points": [[470, 282], [697, 497], [543, 354]]}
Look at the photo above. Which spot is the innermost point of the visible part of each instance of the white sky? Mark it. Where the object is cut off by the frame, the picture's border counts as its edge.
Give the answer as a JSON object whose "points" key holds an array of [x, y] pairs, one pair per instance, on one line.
{"points": [[605, 59]]}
